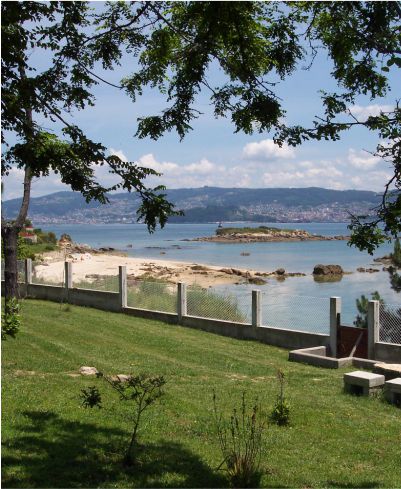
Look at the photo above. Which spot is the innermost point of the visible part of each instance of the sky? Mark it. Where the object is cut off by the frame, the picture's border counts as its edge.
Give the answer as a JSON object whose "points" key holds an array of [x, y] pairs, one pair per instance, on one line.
{"points": [[213, 155]]}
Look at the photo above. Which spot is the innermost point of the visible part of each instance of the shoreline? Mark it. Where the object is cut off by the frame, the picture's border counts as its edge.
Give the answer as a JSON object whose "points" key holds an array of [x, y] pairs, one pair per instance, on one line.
{"points": [[88, 266]]}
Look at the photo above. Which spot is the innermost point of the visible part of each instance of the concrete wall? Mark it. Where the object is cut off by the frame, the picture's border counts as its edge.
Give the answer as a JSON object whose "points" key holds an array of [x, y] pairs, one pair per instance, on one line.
{"points": [[107, 301], [284, 338], [388, 352], [46, 292], [166, 317]]}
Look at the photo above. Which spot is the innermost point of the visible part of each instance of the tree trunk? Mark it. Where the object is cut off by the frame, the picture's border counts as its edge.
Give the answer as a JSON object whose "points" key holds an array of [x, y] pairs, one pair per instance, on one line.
{"points": [[9, 234]]}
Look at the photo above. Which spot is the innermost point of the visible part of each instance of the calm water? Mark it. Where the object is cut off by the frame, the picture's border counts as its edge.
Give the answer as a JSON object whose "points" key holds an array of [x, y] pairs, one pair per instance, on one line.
{"points": [[294, 257]]}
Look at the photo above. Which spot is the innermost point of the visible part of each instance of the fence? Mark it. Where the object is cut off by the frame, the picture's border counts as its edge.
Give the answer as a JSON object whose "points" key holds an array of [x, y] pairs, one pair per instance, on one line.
{"points": [[20, 270], [152, 295], [300, 313], [48, 274], [286, 321], [390, 323]]}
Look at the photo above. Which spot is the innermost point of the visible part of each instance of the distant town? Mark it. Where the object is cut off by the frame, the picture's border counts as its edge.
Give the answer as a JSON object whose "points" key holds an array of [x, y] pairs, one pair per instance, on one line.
{"points": [[207, 204]]}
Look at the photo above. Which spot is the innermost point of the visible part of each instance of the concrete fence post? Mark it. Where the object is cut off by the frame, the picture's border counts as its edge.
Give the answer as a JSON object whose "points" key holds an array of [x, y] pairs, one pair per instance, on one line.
{"points": [[181, 300], [67, 279], [335, 322], [28, 274], [122, 285], [68, 275], [256, 309], [28, 271], [373, 320]]}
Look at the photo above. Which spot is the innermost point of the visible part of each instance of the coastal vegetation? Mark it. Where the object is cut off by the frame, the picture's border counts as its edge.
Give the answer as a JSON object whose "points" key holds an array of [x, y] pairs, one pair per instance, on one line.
{"points": [[265, 234], [50, 441], [255, 230]]}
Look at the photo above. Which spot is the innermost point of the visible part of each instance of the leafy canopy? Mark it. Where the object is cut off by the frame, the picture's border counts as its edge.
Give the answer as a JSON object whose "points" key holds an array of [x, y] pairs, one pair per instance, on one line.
{"points": [[174, 45]]}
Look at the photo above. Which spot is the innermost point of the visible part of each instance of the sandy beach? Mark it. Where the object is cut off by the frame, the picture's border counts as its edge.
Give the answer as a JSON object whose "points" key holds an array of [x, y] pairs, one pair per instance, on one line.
{"points": [[88, 266]]}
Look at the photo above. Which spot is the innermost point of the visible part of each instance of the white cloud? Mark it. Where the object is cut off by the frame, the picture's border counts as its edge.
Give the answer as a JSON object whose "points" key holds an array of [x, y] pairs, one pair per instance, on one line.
{"points": [[363, 112], [119, 153], [362, 159], [267, 150]]}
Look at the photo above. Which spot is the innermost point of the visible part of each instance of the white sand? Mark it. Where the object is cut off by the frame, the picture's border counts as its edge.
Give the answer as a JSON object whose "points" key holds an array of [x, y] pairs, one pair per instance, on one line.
{"points": [[107, 264]]}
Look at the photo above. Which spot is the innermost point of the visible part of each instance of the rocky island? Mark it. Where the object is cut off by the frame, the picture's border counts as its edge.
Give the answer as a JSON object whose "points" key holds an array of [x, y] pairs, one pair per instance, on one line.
{"points": [[265, 234]]}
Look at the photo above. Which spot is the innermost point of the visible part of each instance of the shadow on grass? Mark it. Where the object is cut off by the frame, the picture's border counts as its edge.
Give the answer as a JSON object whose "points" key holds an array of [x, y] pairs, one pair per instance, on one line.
{"points": [[54, 452], [350, 485]]}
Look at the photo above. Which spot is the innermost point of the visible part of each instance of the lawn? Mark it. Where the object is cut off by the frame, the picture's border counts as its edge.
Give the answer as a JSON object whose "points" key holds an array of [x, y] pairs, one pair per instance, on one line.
{"points": [[49, 440]]}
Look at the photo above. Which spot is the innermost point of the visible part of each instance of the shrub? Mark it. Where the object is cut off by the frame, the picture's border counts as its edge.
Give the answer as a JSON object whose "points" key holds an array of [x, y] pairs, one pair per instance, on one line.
{"points": [[141, 390], [281, 410], [11, 320], [240, 441]]}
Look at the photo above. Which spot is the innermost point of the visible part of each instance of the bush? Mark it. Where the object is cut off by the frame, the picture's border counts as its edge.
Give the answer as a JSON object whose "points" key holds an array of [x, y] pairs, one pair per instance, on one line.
{"points": [[11, 320], [240, 441]]}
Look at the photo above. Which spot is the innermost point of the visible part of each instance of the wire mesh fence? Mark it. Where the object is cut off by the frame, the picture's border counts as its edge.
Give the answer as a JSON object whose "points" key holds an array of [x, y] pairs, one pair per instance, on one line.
{"points": [[152, 295], [104, 283], [299, 313], [390, 323], [20, 270], [48, 273], [218, 303]]}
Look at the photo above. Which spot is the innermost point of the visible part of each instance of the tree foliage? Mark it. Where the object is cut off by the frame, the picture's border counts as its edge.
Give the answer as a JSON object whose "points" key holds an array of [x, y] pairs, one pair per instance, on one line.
{"points": [[174, 47], [396, 255]]}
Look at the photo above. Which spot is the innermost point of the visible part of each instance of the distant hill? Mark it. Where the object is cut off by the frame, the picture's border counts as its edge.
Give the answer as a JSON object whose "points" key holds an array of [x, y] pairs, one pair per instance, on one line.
{"points": [[208, 204]]}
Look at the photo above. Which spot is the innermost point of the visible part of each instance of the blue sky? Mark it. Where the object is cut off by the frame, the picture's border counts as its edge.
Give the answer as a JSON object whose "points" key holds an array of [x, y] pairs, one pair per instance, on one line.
{"points": [[213, 155]]}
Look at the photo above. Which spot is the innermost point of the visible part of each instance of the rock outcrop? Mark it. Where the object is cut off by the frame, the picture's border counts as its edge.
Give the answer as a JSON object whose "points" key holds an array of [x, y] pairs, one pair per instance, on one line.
{"points": [[328, 270]]}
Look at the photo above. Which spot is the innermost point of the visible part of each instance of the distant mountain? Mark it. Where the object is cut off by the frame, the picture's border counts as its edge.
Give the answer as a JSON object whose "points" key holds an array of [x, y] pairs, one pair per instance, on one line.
{"points": [[207, 204]]}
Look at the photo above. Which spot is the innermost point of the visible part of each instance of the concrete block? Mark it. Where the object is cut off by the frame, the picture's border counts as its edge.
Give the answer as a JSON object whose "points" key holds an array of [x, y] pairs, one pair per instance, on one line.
{"points": [[362, 383], [389, 370], [392, 391]]}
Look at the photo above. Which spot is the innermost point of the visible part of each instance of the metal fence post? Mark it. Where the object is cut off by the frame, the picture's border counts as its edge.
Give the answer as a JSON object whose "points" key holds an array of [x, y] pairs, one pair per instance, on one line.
{"points": [[256, 309], [335, 322], [122, 285], [181, 300], [373, 327]]}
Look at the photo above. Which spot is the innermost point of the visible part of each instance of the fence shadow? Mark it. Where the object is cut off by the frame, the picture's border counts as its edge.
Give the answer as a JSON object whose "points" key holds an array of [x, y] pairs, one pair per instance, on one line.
{"points": [[54, 452]]}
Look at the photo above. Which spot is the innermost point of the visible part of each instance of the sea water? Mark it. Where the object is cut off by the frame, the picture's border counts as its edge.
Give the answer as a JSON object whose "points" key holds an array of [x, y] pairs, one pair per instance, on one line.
{"points": [[305, 298]]}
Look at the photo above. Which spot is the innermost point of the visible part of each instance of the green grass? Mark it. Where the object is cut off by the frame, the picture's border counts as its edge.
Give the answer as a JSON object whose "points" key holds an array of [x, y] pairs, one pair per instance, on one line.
{"points": [[334, 440]]}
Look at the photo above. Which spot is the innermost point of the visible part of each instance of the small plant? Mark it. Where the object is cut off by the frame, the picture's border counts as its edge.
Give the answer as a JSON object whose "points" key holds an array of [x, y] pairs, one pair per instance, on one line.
{"points": [[240, 442], [281, 410], [11, 320], [91, 397], [361, 320], [141, 390]]}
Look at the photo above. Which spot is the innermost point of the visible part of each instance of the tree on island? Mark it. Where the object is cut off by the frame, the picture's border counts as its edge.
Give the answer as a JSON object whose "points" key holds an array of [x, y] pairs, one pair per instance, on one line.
{"points": [[255, 45]]}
